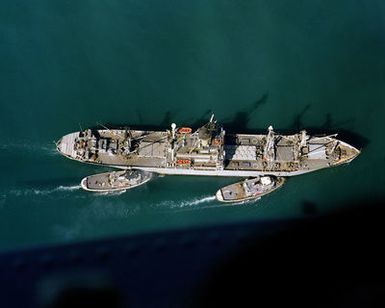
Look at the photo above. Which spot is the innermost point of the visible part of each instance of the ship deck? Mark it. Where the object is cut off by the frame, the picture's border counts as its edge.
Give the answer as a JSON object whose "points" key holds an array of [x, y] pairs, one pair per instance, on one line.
{"points": [[242, 154]]}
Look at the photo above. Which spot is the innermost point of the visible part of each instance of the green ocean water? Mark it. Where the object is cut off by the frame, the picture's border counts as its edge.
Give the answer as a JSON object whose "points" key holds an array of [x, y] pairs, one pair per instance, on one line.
{"points": [[293, 64]]}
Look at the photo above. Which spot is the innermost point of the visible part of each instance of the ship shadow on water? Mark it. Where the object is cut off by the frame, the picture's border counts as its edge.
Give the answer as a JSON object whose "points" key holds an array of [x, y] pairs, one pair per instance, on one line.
{"points": [[241, 119], [239, 123], [329, 127]]}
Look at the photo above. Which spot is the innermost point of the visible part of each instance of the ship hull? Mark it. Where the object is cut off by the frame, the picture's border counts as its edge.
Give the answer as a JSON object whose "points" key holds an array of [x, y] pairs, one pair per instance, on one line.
{"points": [[248, 190], [218, 173], [101, 183], [196, 154]]}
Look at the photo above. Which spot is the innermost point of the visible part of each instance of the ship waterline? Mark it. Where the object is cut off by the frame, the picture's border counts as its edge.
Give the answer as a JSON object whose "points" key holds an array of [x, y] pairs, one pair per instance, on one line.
{"points": [[207, 151]]}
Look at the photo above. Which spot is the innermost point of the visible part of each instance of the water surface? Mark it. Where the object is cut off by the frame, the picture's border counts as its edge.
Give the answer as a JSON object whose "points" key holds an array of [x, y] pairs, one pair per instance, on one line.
{"points": [[312, 64]]}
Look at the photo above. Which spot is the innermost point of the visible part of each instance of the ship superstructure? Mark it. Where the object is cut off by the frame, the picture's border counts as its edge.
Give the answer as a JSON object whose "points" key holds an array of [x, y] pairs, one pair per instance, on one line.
{"points": [[207, 150]]}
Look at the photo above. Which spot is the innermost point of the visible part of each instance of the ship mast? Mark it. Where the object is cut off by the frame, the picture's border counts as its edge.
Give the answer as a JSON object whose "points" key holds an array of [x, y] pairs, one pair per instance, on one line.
{"points": [[304, 138], [173, 127], [269, 151]]}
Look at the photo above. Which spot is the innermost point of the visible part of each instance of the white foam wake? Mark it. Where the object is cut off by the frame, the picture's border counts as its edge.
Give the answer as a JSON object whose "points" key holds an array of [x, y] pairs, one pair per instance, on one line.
{"points": [[34, 191], [187, 203], [111, 193], [66, 188], [202, 200], [30, 147]]}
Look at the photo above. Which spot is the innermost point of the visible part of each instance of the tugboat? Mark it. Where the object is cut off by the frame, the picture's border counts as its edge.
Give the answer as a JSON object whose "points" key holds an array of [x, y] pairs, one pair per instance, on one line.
{"points": [[115, 181], [249, 189]]}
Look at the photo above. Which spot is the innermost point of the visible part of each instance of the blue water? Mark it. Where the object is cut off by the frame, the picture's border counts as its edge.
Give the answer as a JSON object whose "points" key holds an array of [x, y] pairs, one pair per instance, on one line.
{"points": [[305, 64]]}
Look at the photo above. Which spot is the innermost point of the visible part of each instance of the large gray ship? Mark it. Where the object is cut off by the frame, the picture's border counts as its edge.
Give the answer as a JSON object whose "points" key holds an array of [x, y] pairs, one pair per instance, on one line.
{"points": [[207, 150]]}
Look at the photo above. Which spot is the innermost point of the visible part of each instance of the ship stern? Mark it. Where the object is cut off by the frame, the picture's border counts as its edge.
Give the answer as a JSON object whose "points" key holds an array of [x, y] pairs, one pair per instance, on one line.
{"points": [[66, 145]]}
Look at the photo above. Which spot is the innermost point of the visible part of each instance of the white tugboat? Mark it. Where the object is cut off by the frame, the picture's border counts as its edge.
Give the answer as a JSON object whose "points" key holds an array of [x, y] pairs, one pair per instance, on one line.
{"points": [[115, 181], [250, 189]]}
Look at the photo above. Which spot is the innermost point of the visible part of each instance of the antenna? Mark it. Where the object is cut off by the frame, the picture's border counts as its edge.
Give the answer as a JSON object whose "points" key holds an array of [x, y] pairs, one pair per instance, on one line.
{"points": [[102, 126], [105, 127], [81, 129]]}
